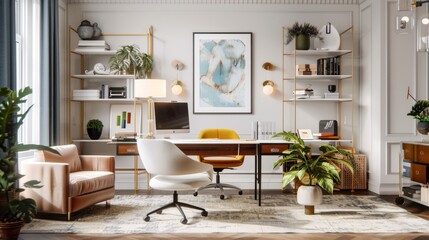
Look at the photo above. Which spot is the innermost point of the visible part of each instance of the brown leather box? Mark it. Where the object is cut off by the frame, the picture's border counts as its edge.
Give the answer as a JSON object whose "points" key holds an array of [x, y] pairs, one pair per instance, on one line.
{"points": [[419, 173]]}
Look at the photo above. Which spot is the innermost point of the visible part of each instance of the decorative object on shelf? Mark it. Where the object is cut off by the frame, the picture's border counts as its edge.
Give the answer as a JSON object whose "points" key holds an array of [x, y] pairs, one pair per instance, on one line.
{"points": [[223, 72], [309, 90], [85, 30], [94, 128], [150, 88], [176, 87], [302, 34], [332, 88], [305, 134], [420, 111], [268, 85], [97, 31], [125, 118], [312, 171], [306, 69], [129, 60], [14, 211], [92, 46], [330, 36], [328, 128]]}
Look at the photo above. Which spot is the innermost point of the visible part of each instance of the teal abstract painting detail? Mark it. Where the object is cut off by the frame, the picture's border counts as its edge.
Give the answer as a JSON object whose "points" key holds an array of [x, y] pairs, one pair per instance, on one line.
{"points": [[222, 77]]}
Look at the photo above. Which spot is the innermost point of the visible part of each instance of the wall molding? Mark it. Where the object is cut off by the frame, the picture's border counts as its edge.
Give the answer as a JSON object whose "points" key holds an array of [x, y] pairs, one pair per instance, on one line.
{"points": [[226, 2]]}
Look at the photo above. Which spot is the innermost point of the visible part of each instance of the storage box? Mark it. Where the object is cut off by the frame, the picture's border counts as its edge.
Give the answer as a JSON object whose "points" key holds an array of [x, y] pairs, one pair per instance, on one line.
{"points": [[424, 193], [356, 181]]}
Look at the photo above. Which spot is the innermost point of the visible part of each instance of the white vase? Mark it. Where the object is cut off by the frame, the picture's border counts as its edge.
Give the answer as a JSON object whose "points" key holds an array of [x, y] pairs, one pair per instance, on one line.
{"points": [[309, 196]]}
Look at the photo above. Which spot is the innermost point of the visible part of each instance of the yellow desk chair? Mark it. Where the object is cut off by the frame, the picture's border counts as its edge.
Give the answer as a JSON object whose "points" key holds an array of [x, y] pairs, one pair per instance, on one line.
{"points": [[220, 163]]}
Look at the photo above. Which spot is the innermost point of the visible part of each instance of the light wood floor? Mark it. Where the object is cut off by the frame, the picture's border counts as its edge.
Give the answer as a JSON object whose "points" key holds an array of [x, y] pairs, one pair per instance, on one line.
{"points": [[414, 208]]}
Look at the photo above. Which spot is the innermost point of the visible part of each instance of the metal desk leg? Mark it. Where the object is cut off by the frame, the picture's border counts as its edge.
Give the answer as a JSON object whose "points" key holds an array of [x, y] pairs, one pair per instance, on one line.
{"points": [[136, 175], [260, 174], [256, 176]]}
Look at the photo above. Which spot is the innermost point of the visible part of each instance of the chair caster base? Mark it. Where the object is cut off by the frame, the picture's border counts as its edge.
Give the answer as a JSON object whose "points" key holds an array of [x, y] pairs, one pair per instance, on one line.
{"points": [[240, 192], [184, 221], [204, 213], [222, 197], [147, 219], [195, 194]]}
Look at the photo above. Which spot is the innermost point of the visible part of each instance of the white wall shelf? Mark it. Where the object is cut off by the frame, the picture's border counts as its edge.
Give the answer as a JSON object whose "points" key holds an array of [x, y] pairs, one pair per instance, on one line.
{"points": [[319, 77], [320, 53], [320, 100], [86, 76], [95, 53], [122, 100]]}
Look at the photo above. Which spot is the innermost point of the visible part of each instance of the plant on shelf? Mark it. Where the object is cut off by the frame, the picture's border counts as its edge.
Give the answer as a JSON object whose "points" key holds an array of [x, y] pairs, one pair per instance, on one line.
{"points": [[420, 111], [129, 60], [94, 128], [314, 172], [302, 33], [13, 210]]}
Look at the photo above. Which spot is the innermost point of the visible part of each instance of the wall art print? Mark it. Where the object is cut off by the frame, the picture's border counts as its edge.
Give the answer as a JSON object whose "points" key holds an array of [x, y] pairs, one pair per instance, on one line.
{"points": [[122, 118], [222, 72]]}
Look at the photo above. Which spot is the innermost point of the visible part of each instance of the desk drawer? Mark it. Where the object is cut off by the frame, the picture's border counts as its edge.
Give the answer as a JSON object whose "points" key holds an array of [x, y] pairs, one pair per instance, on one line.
{"points": [[273, 148], [408, 151], [419, 173], [422, 154], [126, 149]]}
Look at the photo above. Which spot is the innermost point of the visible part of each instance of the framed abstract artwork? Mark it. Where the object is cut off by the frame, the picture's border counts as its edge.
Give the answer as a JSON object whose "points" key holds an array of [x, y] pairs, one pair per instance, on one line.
{"points": [[122, 118], [222, 72]]}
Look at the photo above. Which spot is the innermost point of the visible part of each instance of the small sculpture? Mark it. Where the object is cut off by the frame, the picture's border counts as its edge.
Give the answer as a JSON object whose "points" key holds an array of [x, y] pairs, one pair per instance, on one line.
{"points": [[86, 31]]}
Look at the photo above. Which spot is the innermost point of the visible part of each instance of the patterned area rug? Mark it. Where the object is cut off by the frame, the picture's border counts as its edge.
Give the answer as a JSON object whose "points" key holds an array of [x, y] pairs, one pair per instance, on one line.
{"points": [[238, 214]]}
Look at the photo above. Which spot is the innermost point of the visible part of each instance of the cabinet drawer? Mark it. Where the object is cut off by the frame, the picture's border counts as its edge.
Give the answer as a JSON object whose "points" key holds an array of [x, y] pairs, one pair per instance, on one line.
{"points": [[419, 173], [126, 149], [273, 148], [408, 151], [422, 154]]}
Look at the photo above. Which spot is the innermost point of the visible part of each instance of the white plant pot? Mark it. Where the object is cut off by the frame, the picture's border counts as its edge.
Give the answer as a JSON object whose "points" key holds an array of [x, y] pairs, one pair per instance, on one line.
{"points": [[309, 195]]}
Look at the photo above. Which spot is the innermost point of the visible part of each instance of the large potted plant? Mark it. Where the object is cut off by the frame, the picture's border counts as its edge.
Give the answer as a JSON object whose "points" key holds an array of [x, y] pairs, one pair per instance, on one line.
{"points": [[314, 172], [302, 34], [13, 210], [129, 60], [420, 111], [94, 128]]}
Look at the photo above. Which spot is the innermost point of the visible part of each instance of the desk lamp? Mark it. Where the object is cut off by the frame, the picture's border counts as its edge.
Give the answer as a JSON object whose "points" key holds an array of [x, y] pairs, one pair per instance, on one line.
{"points": [[149, 88]]}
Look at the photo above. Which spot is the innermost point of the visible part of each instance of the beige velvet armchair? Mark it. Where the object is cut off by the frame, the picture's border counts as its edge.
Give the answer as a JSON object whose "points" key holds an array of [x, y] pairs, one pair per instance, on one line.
{"points": [[70, 182]]}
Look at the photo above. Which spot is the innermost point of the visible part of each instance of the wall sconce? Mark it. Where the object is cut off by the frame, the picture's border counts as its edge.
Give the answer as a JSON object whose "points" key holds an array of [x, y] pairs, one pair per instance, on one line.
{"points": [[405, 17], [423, 33], [176, 87], [268, 86]]}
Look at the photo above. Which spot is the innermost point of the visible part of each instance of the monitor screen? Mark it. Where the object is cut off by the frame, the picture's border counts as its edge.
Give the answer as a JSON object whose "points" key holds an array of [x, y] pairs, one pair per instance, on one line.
{"points": [[171, 117]]}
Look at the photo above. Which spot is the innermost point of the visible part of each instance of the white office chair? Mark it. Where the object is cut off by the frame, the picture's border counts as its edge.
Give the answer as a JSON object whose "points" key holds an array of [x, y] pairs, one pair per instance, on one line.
{"points": [[173, 171]]}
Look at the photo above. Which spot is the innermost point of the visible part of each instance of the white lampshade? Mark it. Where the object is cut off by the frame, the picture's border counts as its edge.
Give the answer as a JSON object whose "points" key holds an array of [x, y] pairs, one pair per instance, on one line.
{"points": [[155, 88]]}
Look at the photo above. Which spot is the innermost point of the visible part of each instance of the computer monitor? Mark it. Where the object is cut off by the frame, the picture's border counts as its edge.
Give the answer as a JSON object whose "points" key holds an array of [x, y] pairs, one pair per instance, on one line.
{"points": [[171, 117]]}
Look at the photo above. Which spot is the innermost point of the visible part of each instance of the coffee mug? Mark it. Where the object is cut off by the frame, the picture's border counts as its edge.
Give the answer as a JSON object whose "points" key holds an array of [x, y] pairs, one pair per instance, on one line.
{"points": [[332, 88]]}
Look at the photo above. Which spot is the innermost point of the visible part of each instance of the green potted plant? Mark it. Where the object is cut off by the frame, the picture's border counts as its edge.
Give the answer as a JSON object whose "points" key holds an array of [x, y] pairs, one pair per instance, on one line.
{"points": [[420, 111], [13, 210], [314, 172], [129, 60], [302, 33], [94, 128]]}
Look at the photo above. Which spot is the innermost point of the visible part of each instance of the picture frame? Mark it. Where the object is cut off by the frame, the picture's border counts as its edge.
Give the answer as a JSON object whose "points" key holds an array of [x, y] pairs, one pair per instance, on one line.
{"points": [[305, 134], [122, 119], [222, 72]]}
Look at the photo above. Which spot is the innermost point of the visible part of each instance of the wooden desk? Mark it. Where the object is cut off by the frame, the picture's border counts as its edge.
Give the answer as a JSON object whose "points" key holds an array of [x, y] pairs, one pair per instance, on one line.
{"points": [[191, 147]]}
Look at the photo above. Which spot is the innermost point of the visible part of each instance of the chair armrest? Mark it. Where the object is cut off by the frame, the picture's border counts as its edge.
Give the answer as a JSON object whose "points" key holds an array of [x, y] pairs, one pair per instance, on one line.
{"points": [[53, 196], [98, 163]]}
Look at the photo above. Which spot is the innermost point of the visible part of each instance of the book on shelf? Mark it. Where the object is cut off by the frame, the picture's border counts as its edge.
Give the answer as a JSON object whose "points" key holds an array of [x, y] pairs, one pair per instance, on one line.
{"points": [[91, 49], [104, 92], [328, 66]]}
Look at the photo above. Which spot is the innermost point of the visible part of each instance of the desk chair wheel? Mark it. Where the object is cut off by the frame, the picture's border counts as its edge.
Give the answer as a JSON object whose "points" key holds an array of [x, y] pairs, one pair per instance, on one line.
{"points": [[147, 219], [195, 194], [204, 213], [222, 197], [159, 212], [240, 192], [184, 221]]}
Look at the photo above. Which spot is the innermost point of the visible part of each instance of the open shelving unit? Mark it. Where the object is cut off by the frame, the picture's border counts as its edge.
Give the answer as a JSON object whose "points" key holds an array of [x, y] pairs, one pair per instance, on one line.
{"points": [[304, 113]]}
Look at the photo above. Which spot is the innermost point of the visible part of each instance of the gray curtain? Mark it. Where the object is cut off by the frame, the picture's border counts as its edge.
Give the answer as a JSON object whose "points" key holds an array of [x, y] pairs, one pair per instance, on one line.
{"points": [[7, 44], [50, 91]]}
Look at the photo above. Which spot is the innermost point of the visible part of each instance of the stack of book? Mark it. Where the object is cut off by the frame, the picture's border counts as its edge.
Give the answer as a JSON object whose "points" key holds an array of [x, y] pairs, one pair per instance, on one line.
{"points": [[306, 69], [92, 46], [300, 93], [413, 191], [328, 66], [330, 95], [86, 94]]}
